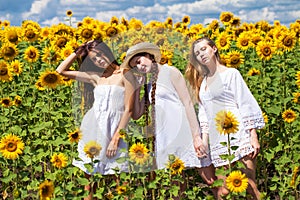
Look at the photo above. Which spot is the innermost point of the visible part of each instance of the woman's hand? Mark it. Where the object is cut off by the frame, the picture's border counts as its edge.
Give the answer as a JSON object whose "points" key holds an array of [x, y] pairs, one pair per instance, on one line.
{"points": [[200, 147], [255, 143], [111, 150]]}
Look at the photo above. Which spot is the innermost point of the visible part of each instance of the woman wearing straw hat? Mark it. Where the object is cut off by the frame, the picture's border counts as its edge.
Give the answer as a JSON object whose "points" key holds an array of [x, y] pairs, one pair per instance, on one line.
{"points": [[177, 130]]}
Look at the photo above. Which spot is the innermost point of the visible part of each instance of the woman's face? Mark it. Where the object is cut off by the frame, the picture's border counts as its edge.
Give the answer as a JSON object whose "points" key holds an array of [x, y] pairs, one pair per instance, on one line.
{"points": [[143, 63], [99, 59], [204, 53]]}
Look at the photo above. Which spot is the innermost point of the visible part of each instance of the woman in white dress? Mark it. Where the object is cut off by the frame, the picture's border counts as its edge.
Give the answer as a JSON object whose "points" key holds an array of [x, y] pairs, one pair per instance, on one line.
{"points": [[219, 89], [177, 130], [112, 101]]}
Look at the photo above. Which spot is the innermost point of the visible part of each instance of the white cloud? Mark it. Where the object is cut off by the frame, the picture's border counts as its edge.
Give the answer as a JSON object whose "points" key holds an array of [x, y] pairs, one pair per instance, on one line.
{"points": [[36, 8]]}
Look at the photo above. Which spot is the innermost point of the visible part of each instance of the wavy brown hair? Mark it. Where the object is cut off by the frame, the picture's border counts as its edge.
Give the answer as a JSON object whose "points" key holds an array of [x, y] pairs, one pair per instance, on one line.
{"points": [[195, 72]]}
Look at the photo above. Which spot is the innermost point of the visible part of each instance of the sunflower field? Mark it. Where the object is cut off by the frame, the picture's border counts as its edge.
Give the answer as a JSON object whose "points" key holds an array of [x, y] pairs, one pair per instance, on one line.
{"points": [[41, 110]]}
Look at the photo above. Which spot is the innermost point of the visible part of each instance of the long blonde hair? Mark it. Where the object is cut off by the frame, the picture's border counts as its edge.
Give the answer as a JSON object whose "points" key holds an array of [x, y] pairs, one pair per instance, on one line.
{"points": [[195, 72]]}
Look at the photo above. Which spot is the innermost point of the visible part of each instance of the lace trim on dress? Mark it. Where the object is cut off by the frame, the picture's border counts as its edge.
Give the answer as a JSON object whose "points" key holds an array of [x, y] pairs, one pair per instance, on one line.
{"points": [[204, 127], [254, 121]]}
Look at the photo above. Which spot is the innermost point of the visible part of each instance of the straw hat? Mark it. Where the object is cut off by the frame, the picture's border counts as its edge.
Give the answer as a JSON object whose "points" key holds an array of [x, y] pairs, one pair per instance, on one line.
{"points": [[143, 47]]}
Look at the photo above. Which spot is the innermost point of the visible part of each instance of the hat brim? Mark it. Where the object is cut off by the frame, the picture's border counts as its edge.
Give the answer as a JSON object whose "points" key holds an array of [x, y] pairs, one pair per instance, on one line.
{"points": [[143, 47]]}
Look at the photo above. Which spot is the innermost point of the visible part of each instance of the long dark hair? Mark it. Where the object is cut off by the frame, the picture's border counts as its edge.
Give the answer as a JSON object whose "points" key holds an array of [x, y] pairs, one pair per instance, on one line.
{"points": [[87, 65]]}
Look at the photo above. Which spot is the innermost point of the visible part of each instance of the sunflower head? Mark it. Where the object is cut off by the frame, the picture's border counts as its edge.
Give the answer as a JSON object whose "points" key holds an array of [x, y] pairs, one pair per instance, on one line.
{"points": [[121, 189], [75, 136], [296, 97], [6, 102], [92, 149], [11, 146], [253, 72], [234, 59], [237, 182], [50, 79], [59, 160], [69, 13], [289, 116], [226, 122], [46, 189], [175, 165], [139, 153], [17, 100]]}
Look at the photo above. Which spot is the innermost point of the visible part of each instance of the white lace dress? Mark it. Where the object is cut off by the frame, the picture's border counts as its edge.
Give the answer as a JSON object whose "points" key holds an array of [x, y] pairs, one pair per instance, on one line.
{"points": [[173, 133], [229, 92], [99, 124]]}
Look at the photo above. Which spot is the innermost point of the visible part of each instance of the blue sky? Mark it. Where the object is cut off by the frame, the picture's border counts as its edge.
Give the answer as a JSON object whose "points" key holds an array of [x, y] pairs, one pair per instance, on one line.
{"points": [[50, 12]]}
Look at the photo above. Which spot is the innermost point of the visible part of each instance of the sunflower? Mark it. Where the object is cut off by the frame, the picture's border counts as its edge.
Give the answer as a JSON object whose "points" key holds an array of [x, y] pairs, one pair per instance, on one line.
{"points": [[265, 116], [6, 102], [75, 136], [86, 32], [235, 22], [226, 122], [5, 72], [60, 41], [6, 23], [139, 153], [186, 20], [67, 81], [12, 34], [223, 41], [122, 133], [226, 18], [11, 146], [39, 86], [237, 182], [135, 24], [9, 51], [288, 41], [45, 33], [176, 166], [17, 67], [244, 41], [166, 57], [298, 78], [59, 160], [289, 116], [87, 20], [265, 50], [30, 33], [17, 100], [234, 59], [69, 13], [92, 149], [50, 79], [121, 190], [31, 54], [253, 72], [111, 30], [46, 190], [66, 51], [114, 20], [296, 97]]}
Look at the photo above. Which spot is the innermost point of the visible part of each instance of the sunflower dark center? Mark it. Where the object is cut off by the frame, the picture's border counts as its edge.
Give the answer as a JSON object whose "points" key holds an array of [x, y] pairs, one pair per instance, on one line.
{"points": [[45, 191], [289, 116], [13, 37], [266, 51], [139, 154], [30, 34], [51, 78], [237, 182], [3, 71], [234, 60], [288, 42], [11, 147], [244, 43], [223, 42], [9, 52], [61, 42], [32, 54], [227, 125], [75, 135], [227, 18], [111, 31], [6, 102], [87, 33]]}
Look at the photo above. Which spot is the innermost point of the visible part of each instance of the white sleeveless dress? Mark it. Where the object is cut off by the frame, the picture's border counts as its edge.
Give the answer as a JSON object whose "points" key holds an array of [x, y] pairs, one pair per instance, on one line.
{"points": [[173, 132], [228, 92], [99, 124]]}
